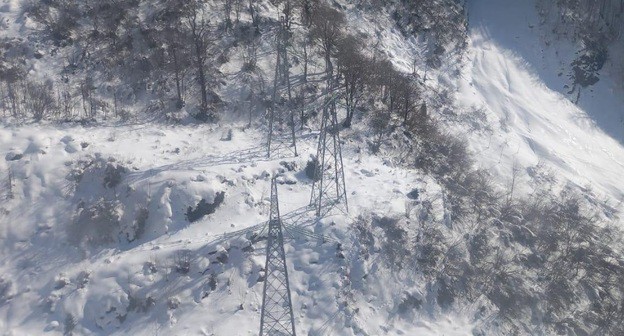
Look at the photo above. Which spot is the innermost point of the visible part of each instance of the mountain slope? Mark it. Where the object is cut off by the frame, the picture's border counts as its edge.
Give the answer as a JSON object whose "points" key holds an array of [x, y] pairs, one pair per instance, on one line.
{"points": [[97, 235], [511, 75]]}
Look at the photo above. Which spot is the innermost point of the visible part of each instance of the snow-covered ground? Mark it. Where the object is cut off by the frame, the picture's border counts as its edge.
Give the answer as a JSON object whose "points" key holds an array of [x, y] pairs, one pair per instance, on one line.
{"points": [[512, 75], [52, 279]]}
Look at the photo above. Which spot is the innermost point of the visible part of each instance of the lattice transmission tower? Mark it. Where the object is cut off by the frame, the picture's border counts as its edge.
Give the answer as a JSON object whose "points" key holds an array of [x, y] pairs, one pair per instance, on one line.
{"points": [[329, 186], [277, 317], [275, 140]]}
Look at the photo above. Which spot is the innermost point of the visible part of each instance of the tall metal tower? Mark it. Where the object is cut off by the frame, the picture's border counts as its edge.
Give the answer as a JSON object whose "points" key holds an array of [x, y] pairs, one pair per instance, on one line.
{"points": [[282, 77], [277, 314], [330, 171]]}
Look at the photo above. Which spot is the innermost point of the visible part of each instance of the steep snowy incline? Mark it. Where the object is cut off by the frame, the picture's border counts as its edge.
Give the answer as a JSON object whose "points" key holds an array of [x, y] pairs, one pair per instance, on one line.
{"points": [[517, 26], [532, 122]]}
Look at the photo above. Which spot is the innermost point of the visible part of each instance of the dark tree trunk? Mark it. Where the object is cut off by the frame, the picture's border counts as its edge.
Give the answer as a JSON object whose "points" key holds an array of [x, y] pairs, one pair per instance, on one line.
{"points": [[180, 102]]}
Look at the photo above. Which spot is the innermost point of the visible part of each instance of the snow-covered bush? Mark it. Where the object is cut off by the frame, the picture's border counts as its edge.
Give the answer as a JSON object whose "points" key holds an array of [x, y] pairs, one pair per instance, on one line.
{"points": [[134, 229], [113, 174], [396, 245], [107, 309], [312, 169], [442, 23], [182, 261], [442, 154], [96, 223], [431, 249], [140, 304], [173, 302], [204, 207], [115, 208]]}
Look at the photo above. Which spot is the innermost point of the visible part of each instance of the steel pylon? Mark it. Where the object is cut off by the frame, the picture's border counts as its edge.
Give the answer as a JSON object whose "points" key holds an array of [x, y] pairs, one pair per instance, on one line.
{"points": [[329, 186], [277, 317], [275, 140]]}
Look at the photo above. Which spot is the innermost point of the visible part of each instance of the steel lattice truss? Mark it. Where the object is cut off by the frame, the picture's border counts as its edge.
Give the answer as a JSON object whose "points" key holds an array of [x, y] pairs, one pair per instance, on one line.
{"points": [[329, 188], [277, 313], [277, 140]]}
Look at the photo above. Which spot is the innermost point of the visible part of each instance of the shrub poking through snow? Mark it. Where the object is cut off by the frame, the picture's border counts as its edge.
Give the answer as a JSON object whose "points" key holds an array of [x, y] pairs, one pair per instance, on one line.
{"points": [[97, 167], [182, 261], [14, 156], [140, 304], [413, 194], [137, 227], [409, 303], [227, 136], [209, 286], [290, 166], [204, 208], [113, 174], [173, 303], [82, 280], [96, 224], [312, 169]]}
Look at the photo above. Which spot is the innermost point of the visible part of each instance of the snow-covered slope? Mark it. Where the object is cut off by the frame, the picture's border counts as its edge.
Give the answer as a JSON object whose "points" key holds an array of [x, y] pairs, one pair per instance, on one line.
{"points": [[58, 275], [58, 278], [509, 97], [512, 75], [518, 28]]}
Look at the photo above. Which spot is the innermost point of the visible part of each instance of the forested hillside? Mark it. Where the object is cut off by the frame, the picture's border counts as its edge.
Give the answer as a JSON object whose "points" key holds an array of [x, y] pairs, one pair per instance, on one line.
{"points": [[76, 60]]}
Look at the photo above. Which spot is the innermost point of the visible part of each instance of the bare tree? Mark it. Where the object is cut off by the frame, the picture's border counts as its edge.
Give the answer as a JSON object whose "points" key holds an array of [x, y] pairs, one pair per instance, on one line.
{"points": [[12, 97], [379, 123], [238, 6], [407, 96], [87, 88], [176, 53], [227, 11], [326, 29], [12, 73], [515, 172], [66, 104], [255, 19], [199, 27], [307, 8], [40, 99], [352, 66]]}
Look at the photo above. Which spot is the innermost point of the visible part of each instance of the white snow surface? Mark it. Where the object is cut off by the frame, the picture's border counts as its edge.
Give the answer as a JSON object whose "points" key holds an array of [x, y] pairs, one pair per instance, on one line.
{"points": [[133, 288], [516, 75], [513, 75]]}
